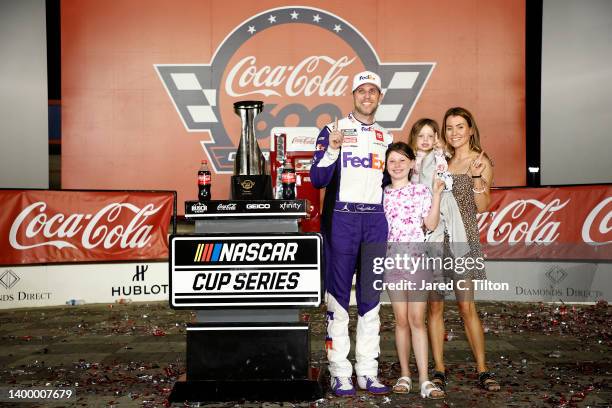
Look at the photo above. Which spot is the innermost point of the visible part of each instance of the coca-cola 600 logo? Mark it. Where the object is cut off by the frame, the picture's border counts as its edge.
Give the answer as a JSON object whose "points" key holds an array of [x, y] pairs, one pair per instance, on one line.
{"points": [[300, 61]]}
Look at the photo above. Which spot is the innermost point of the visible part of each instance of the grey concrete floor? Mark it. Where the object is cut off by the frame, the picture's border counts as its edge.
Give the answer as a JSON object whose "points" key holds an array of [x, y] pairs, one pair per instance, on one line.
{"points": [[131, 355]]}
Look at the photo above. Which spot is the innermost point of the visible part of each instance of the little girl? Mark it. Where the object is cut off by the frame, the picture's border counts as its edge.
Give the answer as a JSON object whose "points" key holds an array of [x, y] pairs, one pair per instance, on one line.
{"points": [[409, 207], [431, 164]]}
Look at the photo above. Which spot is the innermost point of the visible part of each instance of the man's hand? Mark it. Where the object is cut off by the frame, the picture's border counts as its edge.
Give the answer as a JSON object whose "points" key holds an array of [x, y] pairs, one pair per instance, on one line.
{"points": [[335, 137]]}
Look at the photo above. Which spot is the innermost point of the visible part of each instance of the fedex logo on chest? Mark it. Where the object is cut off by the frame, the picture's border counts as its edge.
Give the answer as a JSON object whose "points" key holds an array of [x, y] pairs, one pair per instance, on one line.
{"points": [[371, 161]]}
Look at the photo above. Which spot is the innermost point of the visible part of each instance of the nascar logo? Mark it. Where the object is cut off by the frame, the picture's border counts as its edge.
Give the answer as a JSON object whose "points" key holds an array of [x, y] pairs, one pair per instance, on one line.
{"points": [[243, 252]]}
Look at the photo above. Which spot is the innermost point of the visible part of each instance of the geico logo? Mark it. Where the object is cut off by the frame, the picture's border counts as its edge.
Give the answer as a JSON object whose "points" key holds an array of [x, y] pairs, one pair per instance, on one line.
{"points": [[241, 252], [259, 206], [371, 161]]}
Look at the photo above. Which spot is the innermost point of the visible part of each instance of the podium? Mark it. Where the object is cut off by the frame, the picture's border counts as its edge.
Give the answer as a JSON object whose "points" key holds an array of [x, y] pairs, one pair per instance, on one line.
{"points": [[246, 271]]}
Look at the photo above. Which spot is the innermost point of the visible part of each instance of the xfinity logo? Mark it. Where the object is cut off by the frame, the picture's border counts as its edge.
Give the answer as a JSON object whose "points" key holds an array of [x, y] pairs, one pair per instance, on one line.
{"points": [[258, 206], [9, 279], [243, 252], [292, 206]]}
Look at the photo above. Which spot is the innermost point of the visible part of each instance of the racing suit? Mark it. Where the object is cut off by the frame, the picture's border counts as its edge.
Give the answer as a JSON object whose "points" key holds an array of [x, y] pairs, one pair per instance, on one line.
{"points": [[353, 214]]}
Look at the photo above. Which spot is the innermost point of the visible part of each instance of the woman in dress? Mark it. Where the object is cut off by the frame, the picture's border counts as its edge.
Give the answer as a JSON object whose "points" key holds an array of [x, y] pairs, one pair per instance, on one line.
{"points": [[472, 175]]}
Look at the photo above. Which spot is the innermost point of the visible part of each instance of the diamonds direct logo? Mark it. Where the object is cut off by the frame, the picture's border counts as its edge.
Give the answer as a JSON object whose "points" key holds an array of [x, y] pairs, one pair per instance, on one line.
{"points": [[9, 279], [556, 274], [304, 82]]}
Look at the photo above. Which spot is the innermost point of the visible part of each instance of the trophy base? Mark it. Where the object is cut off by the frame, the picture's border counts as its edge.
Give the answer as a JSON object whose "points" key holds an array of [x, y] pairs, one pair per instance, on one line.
{"points": [[255, 187]]}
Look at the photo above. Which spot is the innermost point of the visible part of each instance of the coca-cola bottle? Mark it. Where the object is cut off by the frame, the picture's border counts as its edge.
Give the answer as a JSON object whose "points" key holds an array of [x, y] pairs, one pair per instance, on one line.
{"points": [[204, 182], [288, 180]]}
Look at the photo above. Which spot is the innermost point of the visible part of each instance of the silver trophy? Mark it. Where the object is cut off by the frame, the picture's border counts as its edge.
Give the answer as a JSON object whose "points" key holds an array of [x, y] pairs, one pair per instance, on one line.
{"points": [[251, 180]]}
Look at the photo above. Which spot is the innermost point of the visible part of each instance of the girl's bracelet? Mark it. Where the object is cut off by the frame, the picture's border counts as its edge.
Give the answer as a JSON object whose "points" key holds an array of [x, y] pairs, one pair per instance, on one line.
{"points": [[479, 191]]}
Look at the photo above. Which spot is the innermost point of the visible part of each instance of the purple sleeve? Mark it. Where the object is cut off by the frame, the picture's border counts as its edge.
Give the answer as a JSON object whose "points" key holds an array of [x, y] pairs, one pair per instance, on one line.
{"points": [[321, 175]]}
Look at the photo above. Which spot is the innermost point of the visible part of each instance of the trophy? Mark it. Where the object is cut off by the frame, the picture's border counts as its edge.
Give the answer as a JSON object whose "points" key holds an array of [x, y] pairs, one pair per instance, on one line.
{"points": [[250, 180]]}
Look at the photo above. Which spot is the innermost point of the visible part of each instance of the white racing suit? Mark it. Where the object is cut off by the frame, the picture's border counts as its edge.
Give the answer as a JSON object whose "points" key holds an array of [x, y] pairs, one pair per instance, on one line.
{"points": [[353, 215]]}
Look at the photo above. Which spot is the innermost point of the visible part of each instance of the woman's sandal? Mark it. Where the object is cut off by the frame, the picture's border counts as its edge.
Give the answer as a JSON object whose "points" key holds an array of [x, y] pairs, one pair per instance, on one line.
{"points": [[487, 382], [439, 379], [431, 391], [403, 385]]}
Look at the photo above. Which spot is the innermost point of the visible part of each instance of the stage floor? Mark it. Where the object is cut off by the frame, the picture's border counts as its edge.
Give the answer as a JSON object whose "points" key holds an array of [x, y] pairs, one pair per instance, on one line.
{"points": [[130, 355]]}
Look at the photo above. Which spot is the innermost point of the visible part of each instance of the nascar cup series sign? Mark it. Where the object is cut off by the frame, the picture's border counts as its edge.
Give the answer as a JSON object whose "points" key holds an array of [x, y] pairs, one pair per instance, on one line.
{"points": [[308, 77], [248, 270]]}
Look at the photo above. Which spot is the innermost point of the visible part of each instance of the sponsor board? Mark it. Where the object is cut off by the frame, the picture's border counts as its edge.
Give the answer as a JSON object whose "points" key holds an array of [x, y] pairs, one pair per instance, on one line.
{"points": [[550, 281], [565, 223], [245, 208], [247, 270], [45, 285], [43, 226]]}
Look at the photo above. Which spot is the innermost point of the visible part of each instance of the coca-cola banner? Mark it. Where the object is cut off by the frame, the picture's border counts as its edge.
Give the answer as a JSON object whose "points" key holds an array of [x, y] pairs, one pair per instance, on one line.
{"points": [[145, 101], [42, 226], [549, 223]]}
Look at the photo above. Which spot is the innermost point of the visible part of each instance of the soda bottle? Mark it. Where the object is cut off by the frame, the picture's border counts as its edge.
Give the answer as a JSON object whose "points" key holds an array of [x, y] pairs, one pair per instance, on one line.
{"points": [[204, 182], [288, 180]]}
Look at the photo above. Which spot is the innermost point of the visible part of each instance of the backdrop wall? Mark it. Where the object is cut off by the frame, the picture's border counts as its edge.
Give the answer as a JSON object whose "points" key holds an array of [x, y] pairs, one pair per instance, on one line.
{"points": [[24, 154], [144, 102], [576, 97]]}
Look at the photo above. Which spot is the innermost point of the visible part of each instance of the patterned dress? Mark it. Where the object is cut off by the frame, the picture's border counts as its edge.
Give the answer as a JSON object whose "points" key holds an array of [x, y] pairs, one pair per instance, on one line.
{"points": [[405, 209], [462, 190]]}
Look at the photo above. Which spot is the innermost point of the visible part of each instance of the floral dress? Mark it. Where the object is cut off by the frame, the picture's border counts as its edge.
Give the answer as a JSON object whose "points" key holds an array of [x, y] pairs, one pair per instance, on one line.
{"points": [[405, 209]]}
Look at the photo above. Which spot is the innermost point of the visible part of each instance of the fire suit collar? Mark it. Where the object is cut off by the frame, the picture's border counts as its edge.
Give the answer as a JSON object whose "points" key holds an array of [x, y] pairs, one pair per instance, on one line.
{"points": [[354, 119]]}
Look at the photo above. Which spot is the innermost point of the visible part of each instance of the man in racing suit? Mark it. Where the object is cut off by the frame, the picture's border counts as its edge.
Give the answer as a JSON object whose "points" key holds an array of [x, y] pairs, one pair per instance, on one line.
{"points": [[349, 161]]}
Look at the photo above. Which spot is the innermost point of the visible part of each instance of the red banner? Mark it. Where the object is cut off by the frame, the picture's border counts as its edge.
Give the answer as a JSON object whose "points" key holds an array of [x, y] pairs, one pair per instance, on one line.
{"points": [[41, 226], [549, 223]]}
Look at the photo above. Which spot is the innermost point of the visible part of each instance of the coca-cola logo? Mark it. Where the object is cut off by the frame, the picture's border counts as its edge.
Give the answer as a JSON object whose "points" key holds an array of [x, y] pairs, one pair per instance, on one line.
{"points": [[34, 227], [509, 224], [283, 80], [302, 141], [226, 207], [598, 224], [310, 83]]}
